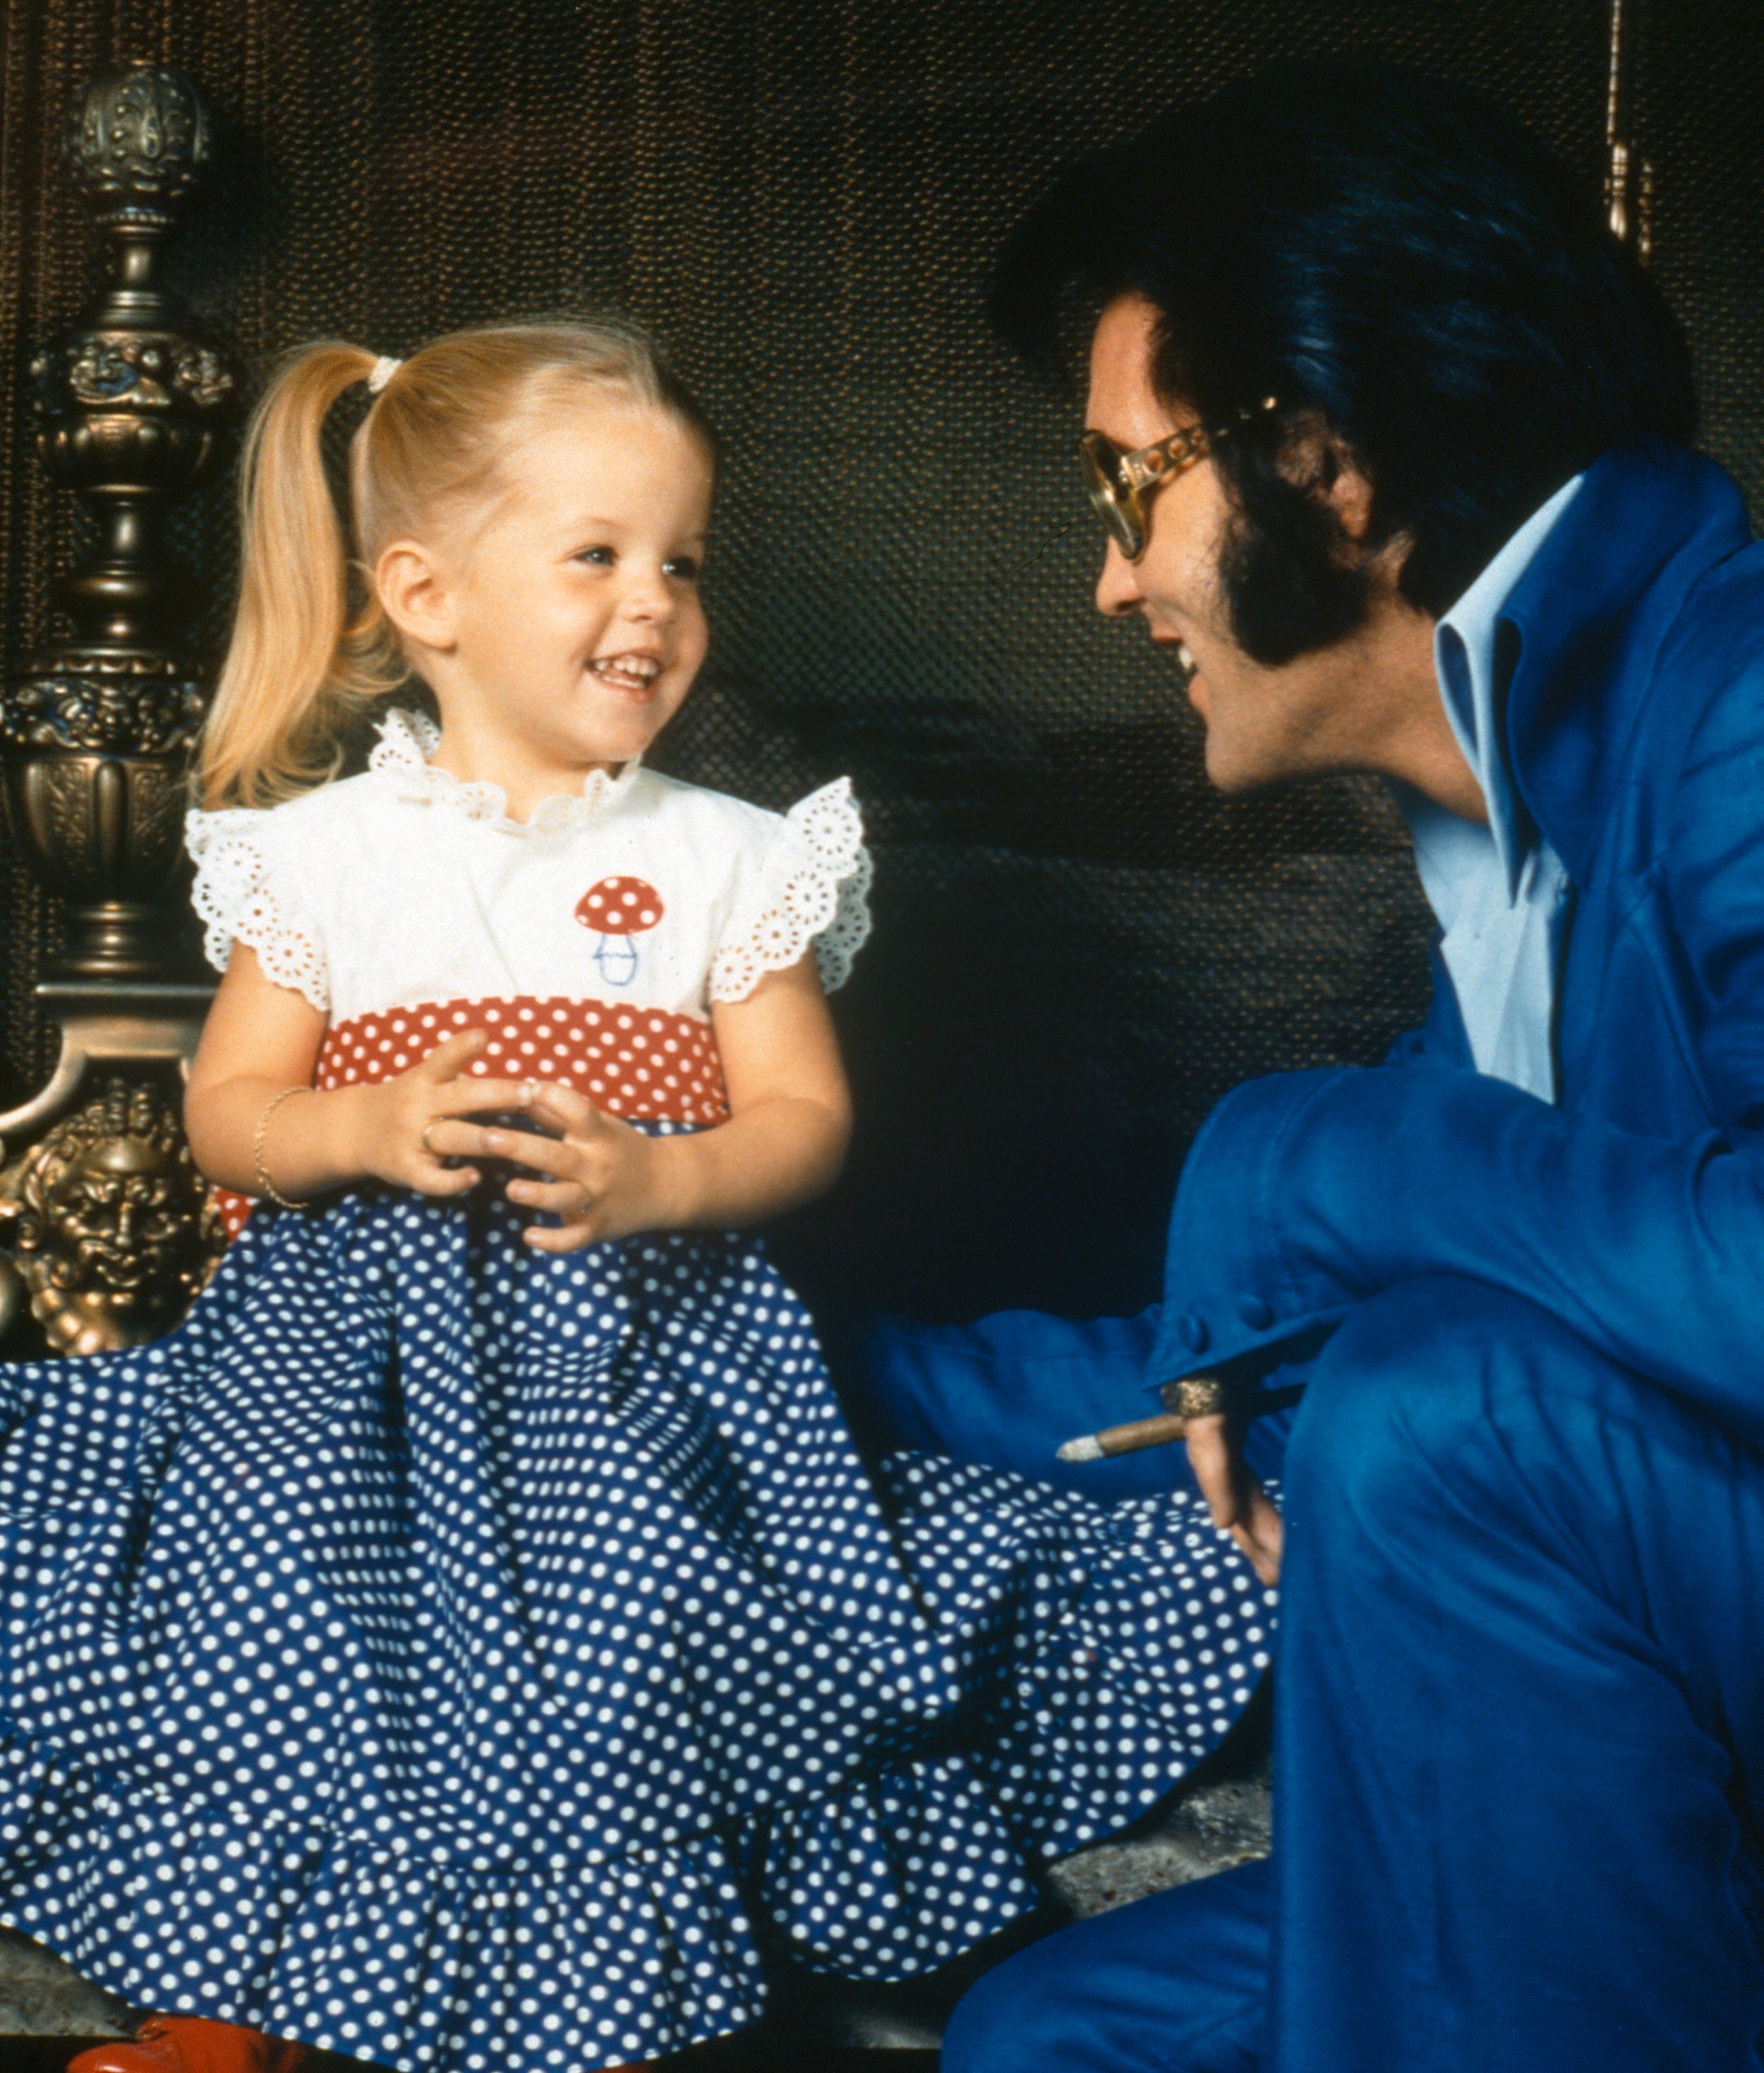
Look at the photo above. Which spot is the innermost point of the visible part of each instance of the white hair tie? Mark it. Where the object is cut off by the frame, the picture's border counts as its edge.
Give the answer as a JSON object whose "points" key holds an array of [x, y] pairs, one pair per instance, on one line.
{"points": [[384, 369]]}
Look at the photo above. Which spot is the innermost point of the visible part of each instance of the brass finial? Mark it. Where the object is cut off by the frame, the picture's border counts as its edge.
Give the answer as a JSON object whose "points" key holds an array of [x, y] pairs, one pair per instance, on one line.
{"points": [[1629, 178]]}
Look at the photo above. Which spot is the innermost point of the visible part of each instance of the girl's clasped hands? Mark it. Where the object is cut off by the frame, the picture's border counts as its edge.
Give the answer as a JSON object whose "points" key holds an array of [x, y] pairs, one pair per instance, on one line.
{"points": [[600, 1178]]}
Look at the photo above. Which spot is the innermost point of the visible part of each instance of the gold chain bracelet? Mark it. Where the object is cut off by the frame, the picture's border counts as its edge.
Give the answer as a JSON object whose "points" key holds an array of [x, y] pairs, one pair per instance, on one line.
{"points": [[265, 1186]]}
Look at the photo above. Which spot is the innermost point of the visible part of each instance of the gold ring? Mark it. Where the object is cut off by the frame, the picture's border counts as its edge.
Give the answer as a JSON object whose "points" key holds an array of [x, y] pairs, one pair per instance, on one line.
{"points": [[1200, 1396], [424, 1139]]}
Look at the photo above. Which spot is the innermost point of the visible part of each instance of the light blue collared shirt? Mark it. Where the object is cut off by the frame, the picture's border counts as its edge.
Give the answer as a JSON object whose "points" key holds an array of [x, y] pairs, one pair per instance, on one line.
{"points": [[1499, 893]]}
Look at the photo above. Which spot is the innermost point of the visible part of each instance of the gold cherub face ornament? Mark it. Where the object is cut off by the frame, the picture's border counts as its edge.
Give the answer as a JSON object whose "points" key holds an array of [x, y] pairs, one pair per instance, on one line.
{"points": [[113, 1232]]}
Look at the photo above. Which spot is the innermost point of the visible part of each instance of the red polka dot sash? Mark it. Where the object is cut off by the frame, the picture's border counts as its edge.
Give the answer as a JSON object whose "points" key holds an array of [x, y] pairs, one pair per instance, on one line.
{"points": [[628, 1061]]}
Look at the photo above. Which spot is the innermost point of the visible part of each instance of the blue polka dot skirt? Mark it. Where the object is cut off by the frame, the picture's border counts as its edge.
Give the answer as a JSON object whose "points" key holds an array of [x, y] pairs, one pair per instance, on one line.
{"points": [[463, 1657]]}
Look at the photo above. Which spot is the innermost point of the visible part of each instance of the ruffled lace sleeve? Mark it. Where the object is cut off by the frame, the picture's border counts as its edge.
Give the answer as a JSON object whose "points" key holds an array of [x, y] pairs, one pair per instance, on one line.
{"points": [[245, 895], [809, 887]]}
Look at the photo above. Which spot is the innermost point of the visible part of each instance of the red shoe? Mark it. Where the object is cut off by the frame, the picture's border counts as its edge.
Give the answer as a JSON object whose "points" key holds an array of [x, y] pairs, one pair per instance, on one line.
{"points": [[192, 2044]]}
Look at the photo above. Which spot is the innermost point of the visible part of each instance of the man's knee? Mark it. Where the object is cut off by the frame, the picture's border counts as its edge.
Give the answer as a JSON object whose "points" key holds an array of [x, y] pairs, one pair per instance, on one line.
{"points": [[1440, 1385]]}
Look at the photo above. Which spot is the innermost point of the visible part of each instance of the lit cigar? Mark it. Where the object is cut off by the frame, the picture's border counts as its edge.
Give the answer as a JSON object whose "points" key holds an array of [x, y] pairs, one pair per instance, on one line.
{"points": [[1157, 1431], [1194, 1396]]}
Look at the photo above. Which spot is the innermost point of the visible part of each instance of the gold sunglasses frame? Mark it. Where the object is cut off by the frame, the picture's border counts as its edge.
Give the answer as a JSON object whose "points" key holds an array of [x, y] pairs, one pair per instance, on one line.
{"points": [[1119, 483]]}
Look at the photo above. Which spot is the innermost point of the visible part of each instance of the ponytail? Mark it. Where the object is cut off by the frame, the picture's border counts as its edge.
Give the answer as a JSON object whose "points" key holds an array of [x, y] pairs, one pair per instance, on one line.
{"points": [[301, 659]]}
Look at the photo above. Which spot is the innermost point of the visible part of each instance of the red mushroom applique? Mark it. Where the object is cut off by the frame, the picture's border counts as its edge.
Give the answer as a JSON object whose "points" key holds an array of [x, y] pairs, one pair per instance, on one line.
{"points": [[619, 909]]}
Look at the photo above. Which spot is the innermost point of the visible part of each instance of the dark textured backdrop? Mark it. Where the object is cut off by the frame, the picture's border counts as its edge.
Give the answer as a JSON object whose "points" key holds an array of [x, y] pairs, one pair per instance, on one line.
{"points": [[1078, 948]]}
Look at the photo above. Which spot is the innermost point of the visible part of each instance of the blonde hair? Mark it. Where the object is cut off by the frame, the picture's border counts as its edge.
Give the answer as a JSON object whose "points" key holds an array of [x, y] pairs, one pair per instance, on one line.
{"points": [[311, 645]]}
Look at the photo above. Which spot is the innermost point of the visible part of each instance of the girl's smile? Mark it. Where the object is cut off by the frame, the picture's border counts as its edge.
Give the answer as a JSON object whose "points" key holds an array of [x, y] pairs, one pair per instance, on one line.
{"points": [[562, 632], [631, 674]]}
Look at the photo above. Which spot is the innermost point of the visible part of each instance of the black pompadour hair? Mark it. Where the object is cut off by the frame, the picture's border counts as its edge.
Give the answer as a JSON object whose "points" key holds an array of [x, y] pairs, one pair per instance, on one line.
{"points": [[1408, 272]]}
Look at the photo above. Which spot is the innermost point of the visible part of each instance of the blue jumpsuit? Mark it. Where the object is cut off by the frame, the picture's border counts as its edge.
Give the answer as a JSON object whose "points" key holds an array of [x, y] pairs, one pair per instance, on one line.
{"points": [[1520, 1679]]}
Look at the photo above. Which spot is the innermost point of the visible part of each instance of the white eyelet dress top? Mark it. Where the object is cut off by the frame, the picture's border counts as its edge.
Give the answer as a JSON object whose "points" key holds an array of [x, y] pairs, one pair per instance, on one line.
{"points": [[589, 942], [477, 1660]]}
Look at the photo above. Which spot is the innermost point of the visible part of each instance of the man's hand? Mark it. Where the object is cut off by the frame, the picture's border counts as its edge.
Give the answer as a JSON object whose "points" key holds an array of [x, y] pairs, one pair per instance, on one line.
{"points": [[1236, 1500]]}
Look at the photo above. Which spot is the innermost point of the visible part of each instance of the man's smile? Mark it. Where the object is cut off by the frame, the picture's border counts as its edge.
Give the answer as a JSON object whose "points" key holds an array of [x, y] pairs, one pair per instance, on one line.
{"points": [[1194, 684]]}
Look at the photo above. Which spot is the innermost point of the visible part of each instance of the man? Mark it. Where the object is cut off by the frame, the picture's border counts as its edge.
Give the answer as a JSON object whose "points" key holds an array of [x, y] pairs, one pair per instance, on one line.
{"points": [[1417, 499]]}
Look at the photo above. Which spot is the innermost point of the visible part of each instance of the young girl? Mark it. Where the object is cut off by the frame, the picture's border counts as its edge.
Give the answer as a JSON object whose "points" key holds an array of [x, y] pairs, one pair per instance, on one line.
{"points": [[472, 1642]]}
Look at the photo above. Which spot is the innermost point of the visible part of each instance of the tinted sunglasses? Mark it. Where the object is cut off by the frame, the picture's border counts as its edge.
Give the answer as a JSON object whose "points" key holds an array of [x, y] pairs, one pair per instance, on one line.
{"points": [[1121, 483]]}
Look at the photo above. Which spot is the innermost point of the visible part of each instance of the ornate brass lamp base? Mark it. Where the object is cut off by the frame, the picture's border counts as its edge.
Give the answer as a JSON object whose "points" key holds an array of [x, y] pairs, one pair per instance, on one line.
{"points": [[110, 1226]]}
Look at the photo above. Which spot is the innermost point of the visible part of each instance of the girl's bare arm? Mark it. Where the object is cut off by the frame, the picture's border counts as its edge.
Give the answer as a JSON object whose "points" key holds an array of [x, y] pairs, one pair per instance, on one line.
{"points": [[260, 1040]]}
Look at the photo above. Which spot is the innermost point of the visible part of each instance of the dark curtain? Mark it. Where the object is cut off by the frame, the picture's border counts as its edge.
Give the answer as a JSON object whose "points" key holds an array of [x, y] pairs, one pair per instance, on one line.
{"points": [[1078, 948]]}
